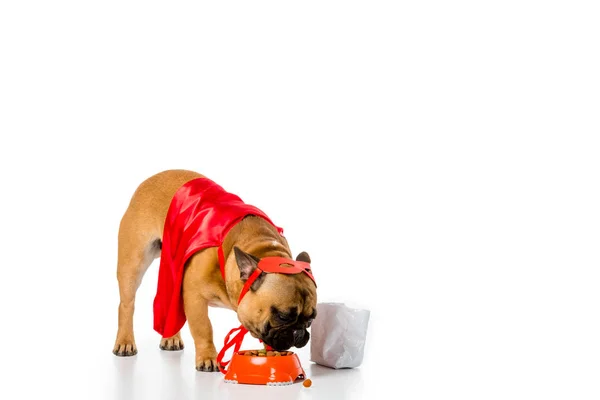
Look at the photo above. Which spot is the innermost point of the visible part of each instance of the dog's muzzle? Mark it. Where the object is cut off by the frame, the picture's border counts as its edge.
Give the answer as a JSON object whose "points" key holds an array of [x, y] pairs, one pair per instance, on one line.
{"points": [[283, 339]]}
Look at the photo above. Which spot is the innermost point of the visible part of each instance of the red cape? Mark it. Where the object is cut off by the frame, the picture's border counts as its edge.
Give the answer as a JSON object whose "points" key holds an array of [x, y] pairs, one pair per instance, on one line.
{"points": [[200, 215]]}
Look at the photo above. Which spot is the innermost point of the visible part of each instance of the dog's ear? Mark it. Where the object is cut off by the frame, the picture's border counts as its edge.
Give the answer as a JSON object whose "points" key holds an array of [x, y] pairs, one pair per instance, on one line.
{"points": [[303, 257], [247, 263]]}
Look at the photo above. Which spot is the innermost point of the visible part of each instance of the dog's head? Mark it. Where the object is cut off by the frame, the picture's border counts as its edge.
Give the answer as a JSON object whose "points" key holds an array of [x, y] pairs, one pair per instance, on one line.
{"points": [[278, 308]]}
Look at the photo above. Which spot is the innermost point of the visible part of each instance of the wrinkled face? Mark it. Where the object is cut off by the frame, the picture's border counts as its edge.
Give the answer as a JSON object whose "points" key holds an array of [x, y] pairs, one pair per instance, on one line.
{"points": [[279, 308]]}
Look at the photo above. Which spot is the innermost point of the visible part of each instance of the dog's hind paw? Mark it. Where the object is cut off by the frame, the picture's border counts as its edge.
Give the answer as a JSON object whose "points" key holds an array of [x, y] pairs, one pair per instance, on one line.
{"points": [[173, 343], [125, 349]]}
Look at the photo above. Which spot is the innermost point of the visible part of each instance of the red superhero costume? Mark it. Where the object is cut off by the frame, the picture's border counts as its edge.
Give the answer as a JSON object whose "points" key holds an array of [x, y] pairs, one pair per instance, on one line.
{"points": [[200, 215]]}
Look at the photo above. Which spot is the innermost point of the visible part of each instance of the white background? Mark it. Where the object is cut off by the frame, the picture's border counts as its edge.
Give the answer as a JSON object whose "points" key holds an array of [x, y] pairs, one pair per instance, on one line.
{"points": [[438, 160]]}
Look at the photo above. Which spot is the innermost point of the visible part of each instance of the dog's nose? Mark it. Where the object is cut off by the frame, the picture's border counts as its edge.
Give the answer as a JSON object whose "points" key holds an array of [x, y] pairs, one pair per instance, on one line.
{"points": [[298, 334], [301, 338]]}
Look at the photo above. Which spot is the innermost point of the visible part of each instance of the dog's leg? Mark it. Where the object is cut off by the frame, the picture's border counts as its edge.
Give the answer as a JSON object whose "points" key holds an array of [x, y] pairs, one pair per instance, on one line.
{"points": [[136, 253], [196, 311]]}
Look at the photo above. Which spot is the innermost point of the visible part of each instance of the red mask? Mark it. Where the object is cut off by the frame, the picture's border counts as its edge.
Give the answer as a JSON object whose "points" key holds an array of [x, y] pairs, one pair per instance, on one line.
{"points": [[278, 265]]}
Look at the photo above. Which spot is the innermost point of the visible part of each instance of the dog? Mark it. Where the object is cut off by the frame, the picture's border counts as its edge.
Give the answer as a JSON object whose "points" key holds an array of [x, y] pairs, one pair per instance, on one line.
{"points": [[278, 309]]}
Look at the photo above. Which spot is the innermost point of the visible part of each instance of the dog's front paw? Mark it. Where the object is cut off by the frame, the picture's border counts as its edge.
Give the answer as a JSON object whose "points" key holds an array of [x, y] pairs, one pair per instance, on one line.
{"points": [[173, 343], [207, 364], [125, 348]]}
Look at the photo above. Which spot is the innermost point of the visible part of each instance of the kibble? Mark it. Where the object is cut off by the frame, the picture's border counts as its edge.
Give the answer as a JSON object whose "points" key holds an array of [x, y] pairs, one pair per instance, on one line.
{"points": [[307, 383], [264, 353]]}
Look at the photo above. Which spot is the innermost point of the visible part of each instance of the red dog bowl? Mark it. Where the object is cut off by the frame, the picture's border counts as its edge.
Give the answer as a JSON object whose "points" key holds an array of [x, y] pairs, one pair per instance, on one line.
{"points": [[270, 368]]}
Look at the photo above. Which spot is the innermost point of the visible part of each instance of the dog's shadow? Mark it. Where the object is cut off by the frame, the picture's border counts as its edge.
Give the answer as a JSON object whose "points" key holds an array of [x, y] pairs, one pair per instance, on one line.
{"points": [[174, 373], [329, 383], [125, 368]]}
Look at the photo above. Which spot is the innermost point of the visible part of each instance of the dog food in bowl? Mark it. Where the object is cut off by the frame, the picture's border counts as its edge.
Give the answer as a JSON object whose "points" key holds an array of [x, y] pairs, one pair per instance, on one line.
{"points": [[264, 367], [264, 353]]}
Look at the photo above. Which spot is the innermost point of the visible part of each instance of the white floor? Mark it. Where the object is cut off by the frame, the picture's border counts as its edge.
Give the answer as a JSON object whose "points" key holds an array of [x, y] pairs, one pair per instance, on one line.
{"points": [[73, 360], [155, 374], [58, 338]]}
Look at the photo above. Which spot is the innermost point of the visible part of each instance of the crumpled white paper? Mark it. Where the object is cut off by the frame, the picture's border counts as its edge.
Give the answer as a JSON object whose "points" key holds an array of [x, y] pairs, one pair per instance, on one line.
{"points": [[338, 335]]}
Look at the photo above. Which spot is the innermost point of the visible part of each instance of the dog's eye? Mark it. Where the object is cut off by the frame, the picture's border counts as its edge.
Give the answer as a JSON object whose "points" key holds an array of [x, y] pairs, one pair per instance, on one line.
{"points": [[284, 318]]}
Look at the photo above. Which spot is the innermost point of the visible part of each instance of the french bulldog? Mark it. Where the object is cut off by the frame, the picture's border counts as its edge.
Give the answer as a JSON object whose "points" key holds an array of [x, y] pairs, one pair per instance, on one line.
{"points": [[277, 309]]}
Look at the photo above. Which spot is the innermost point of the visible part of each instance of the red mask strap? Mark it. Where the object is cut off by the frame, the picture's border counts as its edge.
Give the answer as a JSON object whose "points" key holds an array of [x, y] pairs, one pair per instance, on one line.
{"points": [[236, 341], [249, 283]]}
